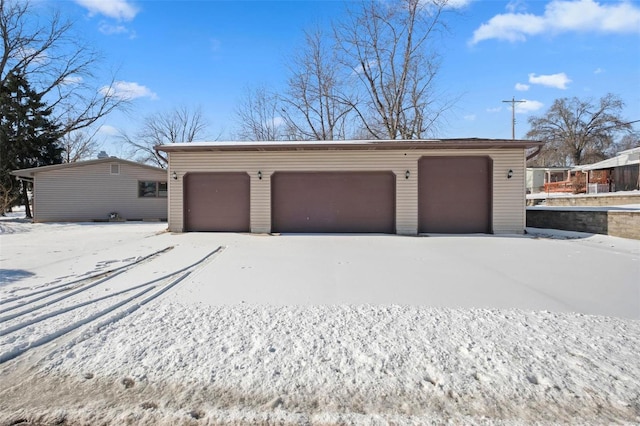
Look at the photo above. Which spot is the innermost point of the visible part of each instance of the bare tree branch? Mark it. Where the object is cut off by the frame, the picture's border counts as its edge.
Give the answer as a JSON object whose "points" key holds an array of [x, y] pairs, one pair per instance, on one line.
{"points": [[314, 104], [181, 124], [56, 63], [578, 131], [258, 116], [79, 145], [390, 49]]}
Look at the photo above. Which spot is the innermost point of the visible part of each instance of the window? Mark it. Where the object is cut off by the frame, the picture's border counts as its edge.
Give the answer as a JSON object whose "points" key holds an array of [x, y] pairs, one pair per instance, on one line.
{"points": [[154, 189], [162, 189], [115, 169]]}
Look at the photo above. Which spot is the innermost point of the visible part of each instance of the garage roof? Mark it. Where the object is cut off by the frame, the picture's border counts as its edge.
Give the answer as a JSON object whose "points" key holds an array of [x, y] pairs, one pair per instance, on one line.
{"points": [[473, 143], [27, 173]]}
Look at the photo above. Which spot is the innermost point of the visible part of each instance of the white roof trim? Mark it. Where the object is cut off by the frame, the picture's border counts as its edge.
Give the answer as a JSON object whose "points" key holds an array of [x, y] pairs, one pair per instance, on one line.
{"points": [[32, 171], [625, 158]]}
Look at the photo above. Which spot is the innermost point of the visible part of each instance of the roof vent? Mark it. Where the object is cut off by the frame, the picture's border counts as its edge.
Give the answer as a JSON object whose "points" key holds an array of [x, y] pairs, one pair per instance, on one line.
{"points": [[102, 155]]}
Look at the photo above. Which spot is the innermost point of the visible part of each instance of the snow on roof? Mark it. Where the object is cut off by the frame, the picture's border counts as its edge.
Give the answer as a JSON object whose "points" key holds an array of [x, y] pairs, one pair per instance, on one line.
{"points": [[624, 158], [549, 169], [350, 144], [32, 171], [635, 150]]}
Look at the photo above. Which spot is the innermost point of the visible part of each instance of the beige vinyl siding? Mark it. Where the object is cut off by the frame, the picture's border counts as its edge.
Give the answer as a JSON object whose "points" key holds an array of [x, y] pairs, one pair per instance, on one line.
{"points": [[91, 192], [508, 194], [509, 210], [260, 201]]}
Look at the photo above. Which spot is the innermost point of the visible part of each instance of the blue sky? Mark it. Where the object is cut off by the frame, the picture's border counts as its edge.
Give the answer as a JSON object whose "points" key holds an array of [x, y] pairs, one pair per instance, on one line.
{"points": [[205, 53]]}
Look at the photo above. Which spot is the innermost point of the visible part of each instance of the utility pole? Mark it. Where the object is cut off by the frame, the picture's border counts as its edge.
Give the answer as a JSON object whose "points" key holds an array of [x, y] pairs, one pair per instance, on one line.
{"points": [[513, 103]]}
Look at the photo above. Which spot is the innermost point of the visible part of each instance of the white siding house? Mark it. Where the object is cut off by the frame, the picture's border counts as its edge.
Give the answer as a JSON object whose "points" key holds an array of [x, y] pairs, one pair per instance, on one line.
{"points": [[95, 190]]}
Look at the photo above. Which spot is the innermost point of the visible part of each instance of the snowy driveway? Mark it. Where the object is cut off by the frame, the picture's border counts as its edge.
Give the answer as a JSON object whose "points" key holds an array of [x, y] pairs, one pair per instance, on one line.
{"points": [[598, 275], [128, 324]]}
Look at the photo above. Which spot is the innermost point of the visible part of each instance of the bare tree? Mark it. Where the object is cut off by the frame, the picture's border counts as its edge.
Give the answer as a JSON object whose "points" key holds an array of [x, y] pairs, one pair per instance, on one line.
{"points": [[314, 105], [629, 141], [8, 196], [390, 49], [56, 63], [258, 117], [577, 131], [181, 124], [79, 145]]}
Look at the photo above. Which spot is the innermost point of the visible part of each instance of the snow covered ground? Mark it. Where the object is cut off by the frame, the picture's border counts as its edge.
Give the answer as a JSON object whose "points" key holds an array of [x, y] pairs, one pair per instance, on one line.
{"points": [[123, 323], [621, 207], [543, 195]]}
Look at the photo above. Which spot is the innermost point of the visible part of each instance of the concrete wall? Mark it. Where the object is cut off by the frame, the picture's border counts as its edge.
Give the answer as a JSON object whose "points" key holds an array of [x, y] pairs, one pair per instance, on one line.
{"points": [[590, 200], [617, 223]]}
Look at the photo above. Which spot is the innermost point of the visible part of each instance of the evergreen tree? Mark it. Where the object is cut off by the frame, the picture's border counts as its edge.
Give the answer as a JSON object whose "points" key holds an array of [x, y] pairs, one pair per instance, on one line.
{"points": [[28, 138]]}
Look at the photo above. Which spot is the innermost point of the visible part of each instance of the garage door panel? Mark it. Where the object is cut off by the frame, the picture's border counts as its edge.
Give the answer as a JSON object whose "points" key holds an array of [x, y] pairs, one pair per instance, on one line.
{"points": [[217, 202], [333, 202], [454, 194]]}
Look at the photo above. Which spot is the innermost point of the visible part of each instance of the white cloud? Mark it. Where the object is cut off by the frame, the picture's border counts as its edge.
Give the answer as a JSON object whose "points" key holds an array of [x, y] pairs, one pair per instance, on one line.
{"points": [[496, 109], [122, 10], [448, 4], [528, 106], [562, 16], [559, 81], [109, 29], [470, 117], [516, 5], [72, 80], [359, 69], [277, 121], [598, 71], [128, 90], [521, 87], [32, 55], [510, 27], [458, 4], [108, 130]]}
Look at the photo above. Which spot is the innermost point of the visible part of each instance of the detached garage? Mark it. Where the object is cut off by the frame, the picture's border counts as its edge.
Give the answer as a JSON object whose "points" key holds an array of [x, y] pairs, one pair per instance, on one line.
{"points": [[455, 186]]}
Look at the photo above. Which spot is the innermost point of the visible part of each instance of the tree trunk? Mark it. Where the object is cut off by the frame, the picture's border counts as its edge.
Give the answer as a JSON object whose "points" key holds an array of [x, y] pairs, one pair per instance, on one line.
{"points": [[25, 197], [577, 157]]}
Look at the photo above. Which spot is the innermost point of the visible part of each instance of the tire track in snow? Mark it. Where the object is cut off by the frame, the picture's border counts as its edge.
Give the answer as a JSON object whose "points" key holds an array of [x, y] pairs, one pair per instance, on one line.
{"points": [[51, 302], [79, 305], [67, 286], [176, 277]]}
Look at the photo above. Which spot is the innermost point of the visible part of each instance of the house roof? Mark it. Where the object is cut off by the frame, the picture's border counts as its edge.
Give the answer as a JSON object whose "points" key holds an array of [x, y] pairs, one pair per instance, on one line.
{"points": [[29, 173], [631, 151], [470, 143], [624, 158], [550, 169]]}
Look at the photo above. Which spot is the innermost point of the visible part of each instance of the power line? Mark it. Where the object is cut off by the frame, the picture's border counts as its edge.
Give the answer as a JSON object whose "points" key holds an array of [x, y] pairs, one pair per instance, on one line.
{"points": [[513, 103], [621, 124]]}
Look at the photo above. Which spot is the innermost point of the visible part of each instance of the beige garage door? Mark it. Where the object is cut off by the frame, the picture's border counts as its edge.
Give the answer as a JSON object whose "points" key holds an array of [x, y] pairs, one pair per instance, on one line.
{"points": [[216, 202], [454, 194], [333, 202]]}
